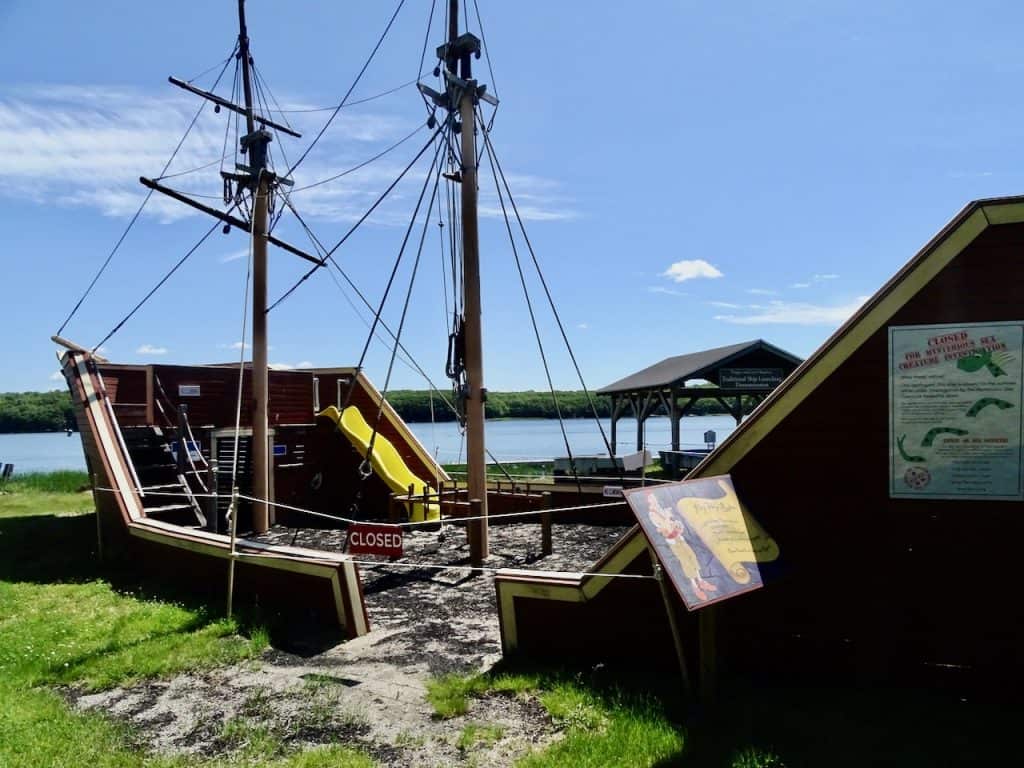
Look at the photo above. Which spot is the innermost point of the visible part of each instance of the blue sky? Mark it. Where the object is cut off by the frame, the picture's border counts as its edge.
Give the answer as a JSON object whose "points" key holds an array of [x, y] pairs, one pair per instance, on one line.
{"points": [[692, 174]]}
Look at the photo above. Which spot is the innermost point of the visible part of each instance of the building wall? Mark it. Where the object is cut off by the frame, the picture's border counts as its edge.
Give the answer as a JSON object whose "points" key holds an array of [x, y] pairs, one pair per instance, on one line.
{"points": [[877, 581]]}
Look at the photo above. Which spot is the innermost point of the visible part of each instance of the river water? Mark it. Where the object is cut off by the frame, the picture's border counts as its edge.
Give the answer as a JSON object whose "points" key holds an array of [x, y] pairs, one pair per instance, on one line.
{"points": [[507, 440]]}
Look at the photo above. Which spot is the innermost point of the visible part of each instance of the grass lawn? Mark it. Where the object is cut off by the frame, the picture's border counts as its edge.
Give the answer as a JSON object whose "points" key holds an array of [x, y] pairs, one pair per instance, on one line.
{"points": [[67, 620], [64, 622]]}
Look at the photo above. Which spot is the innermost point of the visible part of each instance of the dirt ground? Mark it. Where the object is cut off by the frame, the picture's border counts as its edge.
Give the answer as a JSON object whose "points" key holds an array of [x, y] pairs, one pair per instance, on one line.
{"points": [[370, 692]]}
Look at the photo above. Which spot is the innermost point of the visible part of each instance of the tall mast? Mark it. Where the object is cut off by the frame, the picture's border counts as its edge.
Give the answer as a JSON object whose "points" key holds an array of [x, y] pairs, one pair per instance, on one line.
{"points": [[254, 145], [458, 55]]}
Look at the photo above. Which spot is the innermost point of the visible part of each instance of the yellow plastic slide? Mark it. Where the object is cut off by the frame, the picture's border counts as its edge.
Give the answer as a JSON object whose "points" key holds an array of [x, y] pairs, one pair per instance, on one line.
{"points": [[387, 464]]}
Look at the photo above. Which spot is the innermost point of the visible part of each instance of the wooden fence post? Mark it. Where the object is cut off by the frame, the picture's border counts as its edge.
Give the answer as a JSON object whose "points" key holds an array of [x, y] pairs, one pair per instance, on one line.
{"points": [[545, 523]]}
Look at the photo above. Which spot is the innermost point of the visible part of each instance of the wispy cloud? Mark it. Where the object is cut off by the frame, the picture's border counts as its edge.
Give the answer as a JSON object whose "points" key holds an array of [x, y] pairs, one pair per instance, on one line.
{"points": [[795, 313], [690, 269], [582, 326], [800, 285], [234, 256], [149, 349], [761, 291], [725, 304], [56, 376], [828, 276], [666, 291], [86, 146]]}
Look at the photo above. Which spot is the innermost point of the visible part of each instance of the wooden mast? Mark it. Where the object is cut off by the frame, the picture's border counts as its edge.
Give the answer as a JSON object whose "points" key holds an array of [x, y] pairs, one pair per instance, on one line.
{"points": [[254, 144], [459, 53]]}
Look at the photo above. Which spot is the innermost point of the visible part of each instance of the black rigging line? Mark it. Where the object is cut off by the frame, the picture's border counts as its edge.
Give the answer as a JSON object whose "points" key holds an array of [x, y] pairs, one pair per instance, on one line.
{"points": [[533, 322], [348, 104], [397, 264], [163, 280], [487, 55], [547, 291], [410, 360], [218, 64], [408, 297], [351, 88], [266, 87], [426, 36], [145, 200], [354, 168], [355, 226], [191, 170]]}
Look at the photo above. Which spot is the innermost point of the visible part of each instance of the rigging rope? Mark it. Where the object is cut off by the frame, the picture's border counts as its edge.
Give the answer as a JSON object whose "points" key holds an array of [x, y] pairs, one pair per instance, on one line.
{"points": [[547, 291], [363, 164], [405, 307], [533, 322], [145, 200], [355, 226], [157, 287], [394, 272], [349, 92]]}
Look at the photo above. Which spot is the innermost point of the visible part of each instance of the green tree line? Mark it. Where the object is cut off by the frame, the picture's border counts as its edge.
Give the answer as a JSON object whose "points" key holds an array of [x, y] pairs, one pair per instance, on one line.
{"points": [[416, 405], [35, 411], [51, 411]]}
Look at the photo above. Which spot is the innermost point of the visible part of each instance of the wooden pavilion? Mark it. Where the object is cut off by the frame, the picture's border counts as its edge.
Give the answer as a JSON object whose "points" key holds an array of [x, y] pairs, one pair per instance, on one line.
{"points": [[749, 369]]}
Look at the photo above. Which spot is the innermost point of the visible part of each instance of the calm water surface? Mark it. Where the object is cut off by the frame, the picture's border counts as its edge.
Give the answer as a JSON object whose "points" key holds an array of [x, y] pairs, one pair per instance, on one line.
{"points": [[508, 440]]}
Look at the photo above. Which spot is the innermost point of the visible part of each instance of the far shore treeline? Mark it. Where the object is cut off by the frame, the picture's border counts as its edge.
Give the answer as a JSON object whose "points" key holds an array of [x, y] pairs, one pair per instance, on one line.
{"points": [[51, 411]]}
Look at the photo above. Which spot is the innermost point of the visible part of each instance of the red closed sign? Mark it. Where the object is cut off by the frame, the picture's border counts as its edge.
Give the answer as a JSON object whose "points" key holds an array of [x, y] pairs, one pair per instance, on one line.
{"points": [[375, 539]]}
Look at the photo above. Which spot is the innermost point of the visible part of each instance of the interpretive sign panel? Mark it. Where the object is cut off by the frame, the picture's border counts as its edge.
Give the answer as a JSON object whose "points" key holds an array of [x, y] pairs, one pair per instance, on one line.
{"points": [[955, 416], [375, 539], [705, 539], [750, 378]]}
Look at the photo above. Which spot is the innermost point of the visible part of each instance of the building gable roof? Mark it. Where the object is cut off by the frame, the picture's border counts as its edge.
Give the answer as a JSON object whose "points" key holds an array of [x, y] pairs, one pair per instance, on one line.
{"points": [[696, 365]]}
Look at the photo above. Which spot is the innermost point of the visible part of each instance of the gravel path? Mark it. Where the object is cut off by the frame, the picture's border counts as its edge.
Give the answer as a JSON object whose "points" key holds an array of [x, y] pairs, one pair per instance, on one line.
{"points": [[370, 692]]}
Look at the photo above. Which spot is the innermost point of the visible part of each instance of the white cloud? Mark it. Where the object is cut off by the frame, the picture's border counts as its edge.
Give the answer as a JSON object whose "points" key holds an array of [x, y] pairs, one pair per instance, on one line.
{"points": [[800, 285], [761, 291], [149, 349], [691, 269], [234, 256], [666, 291], [582, 326], [304, 364], [86, 146], [56, 376], [796, 313], [724, 304], [240, 345], [828, 276]]}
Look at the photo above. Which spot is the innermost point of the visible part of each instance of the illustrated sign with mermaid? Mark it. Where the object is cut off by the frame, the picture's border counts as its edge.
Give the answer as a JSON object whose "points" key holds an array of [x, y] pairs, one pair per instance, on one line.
{"points": [[705, 539], [955, 416]]}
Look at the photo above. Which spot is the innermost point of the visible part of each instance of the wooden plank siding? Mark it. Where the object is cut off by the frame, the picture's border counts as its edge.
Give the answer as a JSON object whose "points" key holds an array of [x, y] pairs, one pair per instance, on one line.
{"points": [[293, 581], [866, 584]]}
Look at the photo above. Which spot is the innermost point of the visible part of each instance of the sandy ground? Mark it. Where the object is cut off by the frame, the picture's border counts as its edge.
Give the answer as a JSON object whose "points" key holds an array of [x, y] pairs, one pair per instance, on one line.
{"points": [[370, 692]]}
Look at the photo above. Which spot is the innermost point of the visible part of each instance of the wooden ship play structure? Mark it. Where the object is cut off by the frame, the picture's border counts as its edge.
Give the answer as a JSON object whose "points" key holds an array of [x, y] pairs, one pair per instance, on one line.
{"points": [[876, 489], [187, 461]]}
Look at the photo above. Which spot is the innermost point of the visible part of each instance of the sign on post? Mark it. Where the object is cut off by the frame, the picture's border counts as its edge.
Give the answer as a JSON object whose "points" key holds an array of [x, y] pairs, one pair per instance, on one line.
{"points": [[374, 539], [707, 542]]}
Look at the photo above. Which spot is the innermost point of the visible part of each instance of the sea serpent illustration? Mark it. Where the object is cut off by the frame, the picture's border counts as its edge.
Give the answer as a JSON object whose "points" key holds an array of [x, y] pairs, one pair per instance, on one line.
{"points": [[906, 456], [985, 402], [936, 431]]}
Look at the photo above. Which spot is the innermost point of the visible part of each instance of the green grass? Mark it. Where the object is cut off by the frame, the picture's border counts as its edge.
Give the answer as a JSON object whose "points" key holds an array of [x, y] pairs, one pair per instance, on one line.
{"points": [[603, 726], [63, 621], [479, 733], [63, 481]]}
